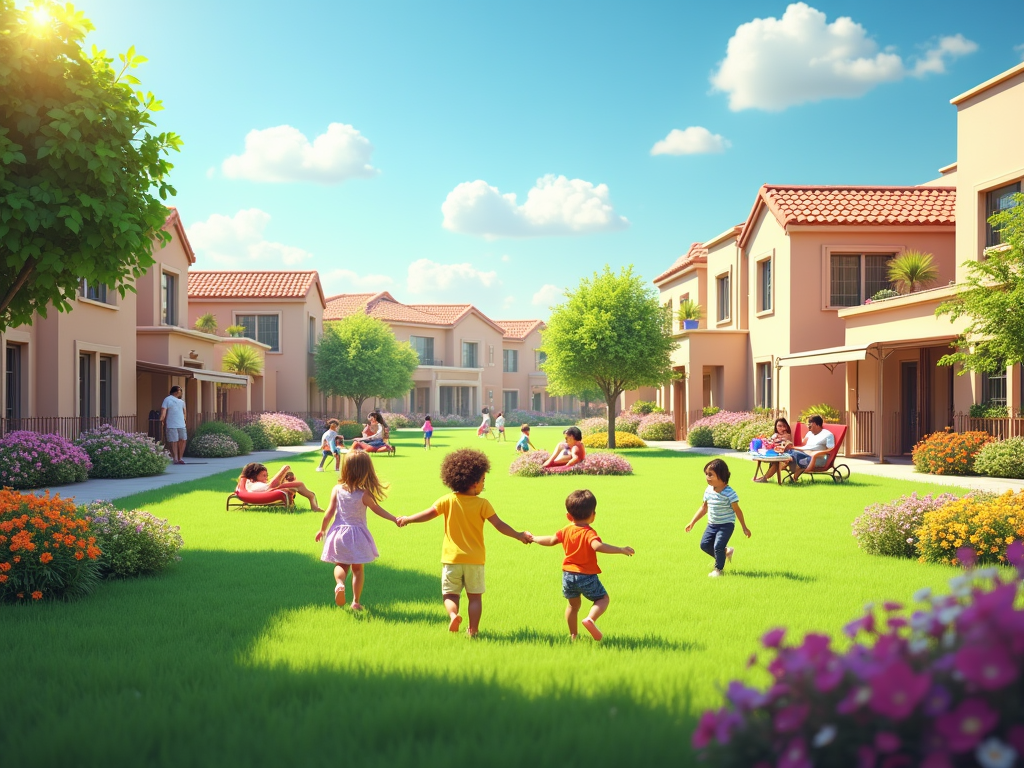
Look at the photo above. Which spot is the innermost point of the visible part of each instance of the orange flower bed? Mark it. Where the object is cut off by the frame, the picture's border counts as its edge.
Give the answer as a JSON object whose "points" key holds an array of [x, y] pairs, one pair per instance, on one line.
{"points": [[949, 453], [46, 550]]}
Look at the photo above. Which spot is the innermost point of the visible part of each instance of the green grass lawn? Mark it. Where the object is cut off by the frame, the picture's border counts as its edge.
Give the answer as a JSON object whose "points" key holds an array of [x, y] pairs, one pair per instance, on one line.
{"points": [[237, 655]]}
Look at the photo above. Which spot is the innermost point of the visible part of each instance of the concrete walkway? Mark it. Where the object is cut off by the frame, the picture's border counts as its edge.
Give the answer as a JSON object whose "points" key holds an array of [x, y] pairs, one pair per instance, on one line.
{"points": [[192, 469], [897, 469]]}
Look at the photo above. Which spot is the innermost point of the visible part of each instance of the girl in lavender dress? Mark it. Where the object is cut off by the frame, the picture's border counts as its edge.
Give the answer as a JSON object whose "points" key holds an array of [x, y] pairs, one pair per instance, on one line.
{"points": [[348, 543]]}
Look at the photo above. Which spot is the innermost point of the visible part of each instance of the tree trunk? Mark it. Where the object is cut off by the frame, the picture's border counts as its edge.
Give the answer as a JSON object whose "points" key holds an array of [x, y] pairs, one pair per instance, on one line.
{"points": [[19, 281], [611, 420], [359, 407]]}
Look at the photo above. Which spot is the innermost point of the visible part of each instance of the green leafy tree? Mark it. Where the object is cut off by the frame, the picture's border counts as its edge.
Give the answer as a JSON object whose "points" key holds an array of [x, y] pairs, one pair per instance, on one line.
{"points": [[81, 174], [611, 333], [587, 396], [243, 360], [993, 301], [359, 357], [912, 270]]}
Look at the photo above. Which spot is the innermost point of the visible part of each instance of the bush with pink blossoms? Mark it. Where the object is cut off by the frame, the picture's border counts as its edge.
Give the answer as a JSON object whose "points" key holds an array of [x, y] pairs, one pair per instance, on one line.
{"points": [[938, 689], [596, 463], [34, 460], [285, 429], [624, 422], [657, 426], [891, 528], [734, 418], [115, 453]]}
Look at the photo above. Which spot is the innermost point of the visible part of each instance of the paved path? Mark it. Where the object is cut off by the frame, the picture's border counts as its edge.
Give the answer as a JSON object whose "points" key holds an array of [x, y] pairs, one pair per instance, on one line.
{"points": [[897, 469], [193, 469]]}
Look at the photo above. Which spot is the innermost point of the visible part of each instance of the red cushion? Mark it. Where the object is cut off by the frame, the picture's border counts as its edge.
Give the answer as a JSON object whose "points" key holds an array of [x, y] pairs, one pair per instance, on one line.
{"points": [[260, 497]]}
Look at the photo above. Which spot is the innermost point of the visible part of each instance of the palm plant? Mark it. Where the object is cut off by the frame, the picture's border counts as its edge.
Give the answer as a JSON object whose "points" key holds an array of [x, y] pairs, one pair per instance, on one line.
{"points": [[207, 323], [912, 270], [689, 310], [243, 360]]}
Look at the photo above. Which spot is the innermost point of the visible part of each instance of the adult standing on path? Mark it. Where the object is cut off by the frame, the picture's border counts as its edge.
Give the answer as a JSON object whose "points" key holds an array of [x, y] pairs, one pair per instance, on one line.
{"points": [[172, 416]]}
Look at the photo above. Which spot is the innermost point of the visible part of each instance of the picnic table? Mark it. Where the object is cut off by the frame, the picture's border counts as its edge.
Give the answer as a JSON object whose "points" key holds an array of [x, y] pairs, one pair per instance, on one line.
{"points": [[768, 459]]}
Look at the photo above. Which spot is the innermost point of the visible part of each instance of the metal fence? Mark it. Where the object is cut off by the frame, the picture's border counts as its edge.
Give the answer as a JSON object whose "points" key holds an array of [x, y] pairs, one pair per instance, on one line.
{"points": [[68, 427], [998, 428]]}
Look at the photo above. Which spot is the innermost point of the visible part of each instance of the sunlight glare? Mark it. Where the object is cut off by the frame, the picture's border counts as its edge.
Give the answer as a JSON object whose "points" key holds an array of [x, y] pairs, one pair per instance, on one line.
{"points": [[41, 16]]}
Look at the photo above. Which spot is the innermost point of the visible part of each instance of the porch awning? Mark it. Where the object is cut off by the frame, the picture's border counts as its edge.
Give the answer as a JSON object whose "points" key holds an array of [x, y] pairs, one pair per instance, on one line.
{"points": [[199, 374], [830, 356]]}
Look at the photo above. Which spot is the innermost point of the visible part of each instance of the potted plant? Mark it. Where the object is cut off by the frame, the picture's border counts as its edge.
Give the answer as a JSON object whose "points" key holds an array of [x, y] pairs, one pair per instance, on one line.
{"points": [[690, 314], [207, 323], [235, 330], [912, 270], [243, 360]]}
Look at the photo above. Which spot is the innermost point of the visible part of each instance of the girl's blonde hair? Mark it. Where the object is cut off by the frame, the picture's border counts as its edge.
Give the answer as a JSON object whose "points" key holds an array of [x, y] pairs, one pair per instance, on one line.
{"points": [[357, 474]]}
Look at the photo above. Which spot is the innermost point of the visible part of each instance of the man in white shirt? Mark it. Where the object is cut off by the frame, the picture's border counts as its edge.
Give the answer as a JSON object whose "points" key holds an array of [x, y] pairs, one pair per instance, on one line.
{"points": [[172, 416], [817, 444]]}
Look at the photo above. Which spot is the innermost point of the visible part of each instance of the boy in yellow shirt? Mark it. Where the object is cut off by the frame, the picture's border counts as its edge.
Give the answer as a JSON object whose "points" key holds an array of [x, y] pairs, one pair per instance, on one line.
{"points": [[462, 549]]}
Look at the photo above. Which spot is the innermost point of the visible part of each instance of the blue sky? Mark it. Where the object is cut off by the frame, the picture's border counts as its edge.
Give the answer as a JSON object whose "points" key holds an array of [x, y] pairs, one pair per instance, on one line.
{"points": [[444, 109]]}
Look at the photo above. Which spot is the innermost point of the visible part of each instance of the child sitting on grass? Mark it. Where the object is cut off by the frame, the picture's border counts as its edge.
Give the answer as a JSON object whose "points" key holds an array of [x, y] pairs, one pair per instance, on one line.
{"points": [[348, 543], [524, 443], [462, 549], [722, 506], [579, 569]]}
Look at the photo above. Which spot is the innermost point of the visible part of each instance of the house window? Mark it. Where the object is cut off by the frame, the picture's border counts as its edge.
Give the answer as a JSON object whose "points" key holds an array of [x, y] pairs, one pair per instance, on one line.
{"points": [[510, 360], [723, 293], [854, 277], [510, 401], [85, 385], [542, 357], [424, 346], [263, 328], [537, 401], [168, 299], [765, 281], [12, 382], [998, 200], [764, 385], [312, 334], [993, 388], [469, 354], [106, 386], [93, 291]]}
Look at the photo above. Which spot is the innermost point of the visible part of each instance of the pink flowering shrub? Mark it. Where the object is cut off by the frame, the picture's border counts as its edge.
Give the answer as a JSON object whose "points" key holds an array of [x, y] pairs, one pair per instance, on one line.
{"points": [[891, 528], [624, 422], [284, 429], [133, 542], [657, 426], [397, 420], [33, 460], [938, 689], [734, 418], [115, 453], [596, 463]]}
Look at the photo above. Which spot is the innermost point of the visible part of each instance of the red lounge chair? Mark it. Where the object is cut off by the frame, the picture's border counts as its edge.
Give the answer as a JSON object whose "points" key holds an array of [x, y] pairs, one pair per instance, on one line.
{"points": [[242, 498], [838, 472]]}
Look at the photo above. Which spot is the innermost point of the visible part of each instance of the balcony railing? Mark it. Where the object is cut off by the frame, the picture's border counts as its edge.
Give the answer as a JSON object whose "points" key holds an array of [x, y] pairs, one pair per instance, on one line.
{"points": [[1000, 428], [440, 364], [68, 427]]}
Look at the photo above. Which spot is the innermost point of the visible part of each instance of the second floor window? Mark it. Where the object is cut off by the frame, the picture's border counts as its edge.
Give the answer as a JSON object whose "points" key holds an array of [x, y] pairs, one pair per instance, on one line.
{"points": [[263, 328], [723, 294], [510, 360], [998, 200], [92, 291], [312, 334], [854, 277], [469, 356], [424, 346], [765, 269], [542, 357], [168, 299]]}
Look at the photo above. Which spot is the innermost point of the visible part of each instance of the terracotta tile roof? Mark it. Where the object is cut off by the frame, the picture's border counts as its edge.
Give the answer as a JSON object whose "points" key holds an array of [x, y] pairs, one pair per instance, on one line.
{"points": [[395, 312], [173, 221], [449, 314], [517, 330], [345, 304], [697, 254], [385, 307], [252, 285]]}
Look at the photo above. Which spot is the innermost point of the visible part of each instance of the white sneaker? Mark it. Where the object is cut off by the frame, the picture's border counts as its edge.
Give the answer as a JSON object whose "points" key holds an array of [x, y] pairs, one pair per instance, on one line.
{"points": [[714, 574], [319, 469], [728, 553]]}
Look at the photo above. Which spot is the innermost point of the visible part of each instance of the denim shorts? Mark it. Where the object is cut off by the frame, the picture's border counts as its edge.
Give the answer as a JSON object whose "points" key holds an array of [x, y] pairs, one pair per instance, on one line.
{"points": [[586, 584]]}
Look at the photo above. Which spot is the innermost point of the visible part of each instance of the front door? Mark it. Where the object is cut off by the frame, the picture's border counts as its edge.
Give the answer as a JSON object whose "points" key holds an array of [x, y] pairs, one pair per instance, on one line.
{"points": [[909, 419]]}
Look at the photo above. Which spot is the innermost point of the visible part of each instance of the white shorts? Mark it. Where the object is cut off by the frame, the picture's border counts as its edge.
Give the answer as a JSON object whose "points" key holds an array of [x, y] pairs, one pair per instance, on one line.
{"points": [[176, 434]]}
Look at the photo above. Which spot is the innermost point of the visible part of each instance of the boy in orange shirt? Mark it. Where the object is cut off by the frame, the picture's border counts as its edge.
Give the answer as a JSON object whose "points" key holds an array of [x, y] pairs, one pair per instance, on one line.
{"points": [[462, 550], [579, 569]]}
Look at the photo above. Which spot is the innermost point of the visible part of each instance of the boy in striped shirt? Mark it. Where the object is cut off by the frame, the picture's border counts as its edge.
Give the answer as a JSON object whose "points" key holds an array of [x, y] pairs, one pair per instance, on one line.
{"points": [[722, 506]]}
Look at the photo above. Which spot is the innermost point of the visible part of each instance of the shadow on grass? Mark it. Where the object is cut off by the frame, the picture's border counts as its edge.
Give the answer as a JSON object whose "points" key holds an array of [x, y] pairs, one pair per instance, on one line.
{"points": [[788, 575], [618, 642], [156, 672]]}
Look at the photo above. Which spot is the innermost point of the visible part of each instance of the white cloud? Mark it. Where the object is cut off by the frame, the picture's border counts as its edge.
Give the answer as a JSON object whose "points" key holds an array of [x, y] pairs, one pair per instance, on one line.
{"points": [[1020, 49], [237, 241], [555, 206], [694, 140], [505, 257], [347, 281], [508, 302], [547, 295], [284, 154], [427, 277], [772, 64]]}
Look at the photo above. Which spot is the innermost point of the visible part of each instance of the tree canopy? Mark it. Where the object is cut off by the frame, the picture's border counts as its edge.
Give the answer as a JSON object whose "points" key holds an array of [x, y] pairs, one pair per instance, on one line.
{"points": [[81, 175], [993, 301], [359, 357], [611, 333]]}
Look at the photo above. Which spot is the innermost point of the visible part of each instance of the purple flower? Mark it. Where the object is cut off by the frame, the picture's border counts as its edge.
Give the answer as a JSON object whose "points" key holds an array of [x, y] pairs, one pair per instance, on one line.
{"points": [[965, 726]]}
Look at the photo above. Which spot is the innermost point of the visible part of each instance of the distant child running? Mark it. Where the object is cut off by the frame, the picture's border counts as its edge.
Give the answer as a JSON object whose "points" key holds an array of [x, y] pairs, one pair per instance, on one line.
{"points": [[462, 549], [722, 506], [499, 422], [329, 446], [348, 543], [524, 445], [485, 424], [428, 431], [579, 569]]}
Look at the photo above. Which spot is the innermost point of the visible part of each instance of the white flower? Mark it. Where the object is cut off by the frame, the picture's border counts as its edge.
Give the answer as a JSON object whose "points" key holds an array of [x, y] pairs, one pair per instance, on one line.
{"points": [[958, 585], [825, 736], [986, 573], [993, 753], [948, 615], [922, 594], [919, 645]]}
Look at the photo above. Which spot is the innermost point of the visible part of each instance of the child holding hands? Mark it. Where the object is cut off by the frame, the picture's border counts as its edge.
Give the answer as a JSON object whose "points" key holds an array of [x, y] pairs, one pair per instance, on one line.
{"points": [[722, 506], [348, 543], [462, 549], [579, 569]]}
